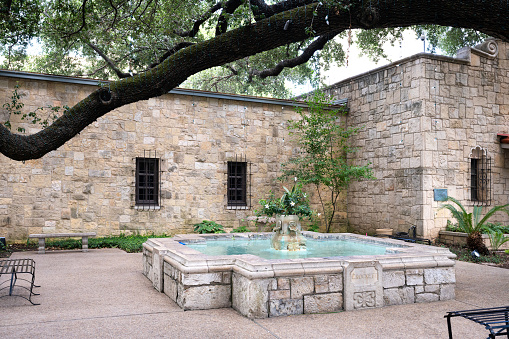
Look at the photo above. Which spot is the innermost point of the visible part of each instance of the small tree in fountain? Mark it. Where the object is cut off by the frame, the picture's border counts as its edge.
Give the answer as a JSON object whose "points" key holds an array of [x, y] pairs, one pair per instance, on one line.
{"points": [[323, 161]]}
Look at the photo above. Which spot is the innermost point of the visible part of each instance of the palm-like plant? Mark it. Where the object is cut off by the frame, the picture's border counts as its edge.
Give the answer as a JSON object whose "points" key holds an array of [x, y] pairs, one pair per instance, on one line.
{"points": [[472, 223]]}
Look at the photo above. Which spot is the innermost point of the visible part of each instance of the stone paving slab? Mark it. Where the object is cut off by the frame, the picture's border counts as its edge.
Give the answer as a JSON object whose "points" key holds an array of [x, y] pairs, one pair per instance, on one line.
{"points": [[103, 293]]}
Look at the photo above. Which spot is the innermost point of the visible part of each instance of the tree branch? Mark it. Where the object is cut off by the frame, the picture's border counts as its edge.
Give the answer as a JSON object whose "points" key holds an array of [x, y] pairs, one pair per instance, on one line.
{"points": [[83, 21], [171, 51], [316, 45], [229, 8], [196, 26], [110, 63], [263, 11]]}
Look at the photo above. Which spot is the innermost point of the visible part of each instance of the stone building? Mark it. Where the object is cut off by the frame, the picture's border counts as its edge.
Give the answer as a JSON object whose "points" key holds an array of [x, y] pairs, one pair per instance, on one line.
{"points": [[157, 166], [431, 126]]}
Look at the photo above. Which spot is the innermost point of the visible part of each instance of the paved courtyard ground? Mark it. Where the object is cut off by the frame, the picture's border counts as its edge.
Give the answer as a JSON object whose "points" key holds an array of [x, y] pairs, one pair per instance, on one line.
{"points": [[103, 294]]}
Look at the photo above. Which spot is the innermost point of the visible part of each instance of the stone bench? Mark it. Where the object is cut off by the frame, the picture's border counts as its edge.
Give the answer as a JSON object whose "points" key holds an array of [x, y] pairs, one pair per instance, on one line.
{"points": [[42, 239]]}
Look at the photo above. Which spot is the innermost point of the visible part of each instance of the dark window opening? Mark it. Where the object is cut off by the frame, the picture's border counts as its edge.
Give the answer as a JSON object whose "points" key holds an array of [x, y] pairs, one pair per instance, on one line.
{"points": [[480, 177], [147, 181], [237, 183]]}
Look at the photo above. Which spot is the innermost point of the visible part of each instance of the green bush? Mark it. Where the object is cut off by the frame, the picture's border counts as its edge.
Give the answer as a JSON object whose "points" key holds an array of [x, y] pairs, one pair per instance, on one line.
{"points": [[207, 226], [240, 229], [128, 243], [497, 239]]}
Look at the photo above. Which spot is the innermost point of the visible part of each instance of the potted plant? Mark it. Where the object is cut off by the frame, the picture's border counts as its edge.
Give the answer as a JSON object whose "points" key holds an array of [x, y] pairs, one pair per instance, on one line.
{"points": [[292, 202]]}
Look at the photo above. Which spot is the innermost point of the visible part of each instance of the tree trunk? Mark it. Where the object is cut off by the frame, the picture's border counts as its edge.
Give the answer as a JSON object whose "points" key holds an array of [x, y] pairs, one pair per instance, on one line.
{"points": [[475, 242], [261, 36]]}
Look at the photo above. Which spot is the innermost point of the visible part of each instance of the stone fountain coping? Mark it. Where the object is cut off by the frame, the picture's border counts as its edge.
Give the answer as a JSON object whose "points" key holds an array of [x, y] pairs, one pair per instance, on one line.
{"points": [[189, 261]]}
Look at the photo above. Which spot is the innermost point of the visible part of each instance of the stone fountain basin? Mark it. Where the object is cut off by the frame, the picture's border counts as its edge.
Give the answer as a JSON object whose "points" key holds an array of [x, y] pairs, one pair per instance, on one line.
{"points": [[260, 288]]}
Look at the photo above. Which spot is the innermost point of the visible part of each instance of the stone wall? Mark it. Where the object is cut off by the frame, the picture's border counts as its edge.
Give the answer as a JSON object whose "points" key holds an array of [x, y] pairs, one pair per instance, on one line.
{"points": [[88, 183], [421, 118]]}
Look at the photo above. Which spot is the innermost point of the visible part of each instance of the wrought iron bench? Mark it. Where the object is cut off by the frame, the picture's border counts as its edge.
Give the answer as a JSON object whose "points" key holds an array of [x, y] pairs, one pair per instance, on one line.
{"points": [[15, 267], [42, 239], [495, 320]]}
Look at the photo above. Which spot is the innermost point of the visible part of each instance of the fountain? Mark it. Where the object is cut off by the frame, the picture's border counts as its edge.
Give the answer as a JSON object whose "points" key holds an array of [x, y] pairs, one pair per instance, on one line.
{"points": [[285, 282], [287, 234]]}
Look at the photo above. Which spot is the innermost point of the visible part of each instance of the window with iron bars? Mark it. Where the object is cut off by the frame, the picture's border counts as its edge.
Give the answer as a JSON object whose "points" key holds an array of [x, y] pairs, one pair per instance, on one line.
{"points": [[237, 184], [147, 182], [480, 177]]}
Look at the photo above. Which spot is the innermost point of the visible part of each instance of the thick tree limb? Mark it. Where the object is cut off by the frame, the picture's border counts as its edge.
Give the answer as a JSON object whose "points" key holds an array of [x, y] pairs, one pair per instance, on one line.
{"points": [[171, 51], [249, 40], [316, 45], [262, 11], [229, 8]]}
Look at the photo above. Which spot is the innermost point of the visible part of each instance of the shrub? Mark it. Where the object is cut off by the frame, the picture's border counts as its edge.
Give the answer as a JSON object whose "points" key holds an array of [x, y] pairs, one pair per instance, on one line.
{"points": [[207, 226], [472, 223], [497, 239], [240, 229]]}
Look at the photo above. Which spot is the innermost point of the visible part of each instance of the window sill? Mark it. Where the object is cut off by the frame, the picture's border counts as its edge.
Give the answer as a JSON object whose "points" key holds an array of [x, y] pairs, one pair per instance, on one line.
{"points": [[238, 207], [147, 207]]}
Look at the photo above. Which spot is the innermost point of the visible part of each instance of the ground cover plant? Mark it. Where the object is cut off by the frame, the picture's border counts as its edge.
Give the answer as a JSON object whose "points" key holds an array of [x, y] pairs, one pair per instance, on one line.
{"points": [[129, 243], [207, 226], [498, 259]]}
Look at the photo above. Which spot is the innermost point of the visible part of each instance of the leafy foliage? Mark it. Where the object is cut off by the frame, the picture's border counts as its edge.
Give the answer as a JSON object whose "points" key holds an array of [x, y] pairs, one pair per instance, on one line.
{"points": [[464, 254], [105, 38], [292, 202], [485, 229], [129, 243], [15, 107], [449, 39], [323, 161], [497, 239], [240, 229], [472, 223], [19, 23], [207, 226]]}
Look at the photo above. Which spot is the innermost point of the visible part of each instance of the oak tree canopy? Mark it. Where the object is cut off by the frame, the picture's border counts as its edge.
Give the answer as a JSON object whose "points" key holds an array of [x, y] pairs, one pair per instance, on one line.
{"points": [[154, 46]]}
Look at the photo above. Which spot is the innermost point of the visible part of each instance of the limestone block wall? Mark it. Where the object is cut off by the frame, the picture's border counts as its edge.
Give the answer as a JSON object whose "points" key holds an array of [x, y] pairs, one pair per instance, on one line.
{"points": [[88, 184], [421, 118], [387, 104]]}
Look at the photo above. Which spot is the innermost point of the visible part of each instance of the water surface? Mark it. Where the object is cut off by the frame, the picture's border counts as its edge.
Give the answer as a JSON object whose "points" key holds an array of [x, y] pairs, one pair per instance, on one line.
{"points": [[261, 248]]}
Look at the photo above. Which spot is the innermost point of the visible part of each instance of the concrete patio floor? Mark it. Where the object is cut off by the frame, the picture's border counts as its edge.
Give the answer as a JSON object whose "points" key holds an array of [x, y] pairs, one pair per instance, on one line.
{"points": [[103, 294]]}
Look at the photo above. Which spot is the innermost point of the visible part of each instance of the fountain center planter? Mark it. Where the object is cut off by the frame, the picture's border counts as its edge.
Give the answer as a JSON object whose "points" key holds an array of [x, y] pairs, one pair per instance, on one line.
{"points": [[302, 282]]}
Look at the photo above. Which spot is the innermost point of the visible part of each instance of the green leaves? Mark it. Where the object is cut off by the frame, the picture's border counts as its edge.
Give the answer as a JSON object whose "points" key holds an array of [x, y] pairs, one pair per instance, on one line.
{"points": [[497, 239], [15, 108], [207, 226], [471, 222], [292, 202], [325, 144]]}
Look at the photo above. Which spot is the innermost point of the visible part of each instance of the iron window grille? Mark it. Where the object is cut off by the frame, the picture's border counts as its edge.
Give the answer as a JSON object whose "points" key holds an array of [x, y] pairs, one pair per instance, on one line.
{"points": [[238, 183], [480, 177], [147, 181]]}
